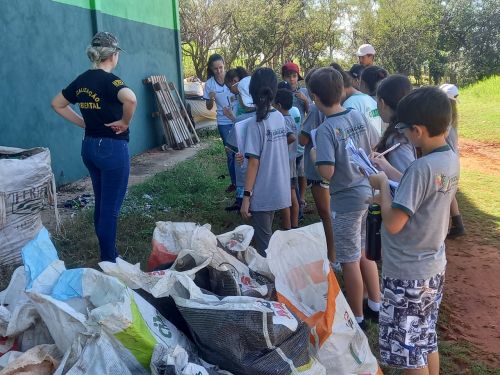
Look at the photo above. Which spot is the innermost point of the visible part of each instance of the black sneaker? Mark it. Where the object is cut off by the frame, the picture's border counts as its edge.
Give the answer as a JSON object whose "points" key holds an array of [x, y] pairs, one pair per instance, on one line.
{"points": [[362, 325], [370, 314], [455, 232], [234, 207], [231, 188], [457, 227]]}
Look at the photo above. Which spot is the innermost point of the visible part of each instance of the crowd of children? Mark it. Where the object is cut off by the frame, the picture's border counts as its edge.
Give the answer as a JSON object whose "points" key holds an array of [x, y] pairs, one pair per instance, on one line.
{"points": [[286, 138]]}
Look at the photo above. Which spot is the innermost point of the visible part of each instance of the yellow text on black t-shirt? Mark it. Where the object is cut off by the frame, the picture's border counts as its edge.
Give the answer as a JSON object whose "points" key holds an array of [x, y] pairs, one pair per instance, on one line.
{"points": [[91, 95]]}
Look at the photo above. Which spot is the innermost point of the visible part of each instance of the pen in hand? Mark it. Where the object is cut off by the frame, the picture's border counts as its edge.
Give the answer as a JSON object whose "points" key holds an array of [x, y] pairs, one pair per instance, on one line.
{"points": [[388, 150]]}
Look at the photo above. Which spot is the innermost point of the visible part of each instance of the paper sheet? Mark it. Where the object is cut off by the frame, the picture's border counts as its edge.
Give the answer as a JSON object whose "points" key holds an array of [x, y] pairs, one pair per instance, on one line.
{"points": [[241, 134], [361, 160], [313, 136]]}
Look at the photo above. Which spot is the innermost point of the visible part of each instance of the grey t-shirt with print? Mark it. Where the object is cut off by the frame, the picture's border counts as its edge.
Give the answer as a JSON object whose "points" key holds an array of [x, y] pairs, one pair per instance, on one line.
{"points": [[349, 188], [402, 156], [291, 128], [425, 194], [266, 141], [314, 119]]}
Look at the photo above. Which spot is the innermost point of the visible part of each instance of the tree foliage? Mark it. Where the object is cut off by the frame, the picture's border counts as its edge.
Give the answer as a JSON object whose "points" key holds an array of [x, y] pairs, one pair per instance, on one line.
{"points": [[432, 40], [203, 25], [471, 34], [258, 33], [406, 40]]}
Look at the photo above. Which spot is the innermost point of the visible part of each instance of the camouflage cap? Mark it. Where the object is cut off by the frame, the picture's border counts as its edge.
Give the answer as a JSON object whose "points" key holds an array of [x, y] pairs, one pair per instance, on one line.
{"points": [[105, 39]]}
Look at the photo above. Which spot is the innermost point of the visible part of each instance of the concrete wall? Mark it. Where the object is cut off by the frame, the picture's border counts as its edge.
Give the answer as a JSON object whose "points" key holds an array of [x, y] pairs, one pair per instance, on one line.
{"points": [[43, 50]]}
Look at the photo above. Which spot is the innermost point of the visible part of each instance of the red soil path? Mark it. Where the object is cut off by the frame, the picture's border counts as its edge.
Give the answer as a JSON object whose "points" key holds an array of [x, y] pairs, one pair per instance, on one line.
{"points": [[472, 287]]}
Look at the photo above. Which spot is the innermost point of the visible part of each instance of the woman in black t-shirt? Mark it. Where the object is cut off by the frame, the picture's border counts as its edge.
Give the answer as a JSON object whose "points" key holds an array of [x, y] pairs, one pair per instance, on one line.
{"points": [[106, 107]]}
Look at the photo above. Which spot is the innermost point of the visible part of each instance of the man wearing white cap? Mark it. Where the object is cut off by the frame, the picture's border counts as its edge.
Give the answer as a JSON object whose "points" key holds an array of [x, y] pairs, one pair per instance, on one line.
{"points": [[366, 54]]}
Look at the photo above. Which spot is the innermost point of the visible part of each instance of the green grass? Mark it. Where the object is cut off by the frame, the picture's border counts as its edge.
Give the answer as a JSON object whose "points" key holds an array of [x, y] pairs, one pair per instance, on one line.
{"points": [[191, 192], [479, 203], [478, 196], [479, 111]]}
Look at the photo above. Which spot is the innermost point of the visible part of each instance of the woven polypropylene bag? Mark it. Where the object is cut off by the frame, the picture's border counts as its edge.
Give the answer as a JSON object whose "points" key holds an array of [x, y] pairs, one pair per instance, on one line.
{"points": [[26, 182], [245, 335]]}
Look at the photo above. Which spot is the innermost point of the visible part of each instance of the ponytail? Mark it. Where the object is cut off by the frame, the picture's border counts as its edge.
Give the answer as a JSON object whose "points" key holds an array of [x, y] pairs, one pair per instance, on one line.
{"points": [[264, 99], [371, 76], [263, 87], [99, 54], [391, 90]]}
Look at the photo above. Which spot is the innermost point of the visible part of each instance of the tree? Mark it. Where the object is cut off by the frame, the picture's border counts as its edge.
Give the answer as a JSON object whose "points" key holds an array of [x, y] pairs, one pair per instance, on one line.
{"points": [[471, 34], [262, 29], [203, 26], [316, 33], [360, 23], [406, 34]]}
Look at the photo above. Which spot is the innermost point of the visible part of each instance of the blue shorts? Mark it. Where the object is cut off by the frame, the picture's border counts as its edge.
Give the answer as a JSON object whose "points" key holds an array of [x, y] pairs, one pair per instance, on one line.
{"points": [[407, 320]]}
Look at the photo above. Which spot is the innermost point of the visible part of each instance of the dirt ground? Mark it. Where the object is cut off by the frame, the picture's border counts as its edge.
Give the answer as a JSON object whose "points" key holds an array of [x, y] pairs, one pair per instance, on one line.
{"points": [[472, 288]]}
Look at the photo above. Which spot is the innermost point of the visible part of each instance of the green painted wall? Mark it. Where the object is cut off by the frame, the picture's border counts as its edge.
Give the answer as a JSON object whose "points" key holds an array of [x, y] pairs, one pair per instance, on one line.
{"points": [[161, 13], [43, 50]]}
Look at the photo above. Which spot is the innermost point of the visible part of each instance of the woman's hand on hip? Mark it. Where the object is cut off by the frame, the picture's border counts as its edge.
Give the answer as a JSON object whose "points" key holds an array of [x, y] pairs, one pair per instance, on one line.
{"points": [[118, 127]]}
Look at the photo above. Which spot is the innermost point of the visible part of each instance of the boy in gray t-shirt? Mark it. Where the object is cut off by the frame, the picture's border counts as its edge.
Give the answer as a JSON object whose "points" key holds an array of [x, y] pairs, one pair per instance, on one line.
{"points": [[319, 186], [414, 228], [349, 189]]}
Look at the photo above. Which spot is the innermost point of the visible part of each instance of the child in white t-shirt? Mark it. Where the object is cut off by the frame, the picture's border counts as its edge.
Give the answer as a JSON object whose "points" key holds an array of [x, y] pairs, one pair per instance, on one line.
{"points": [[217, 93], [359, 101]]}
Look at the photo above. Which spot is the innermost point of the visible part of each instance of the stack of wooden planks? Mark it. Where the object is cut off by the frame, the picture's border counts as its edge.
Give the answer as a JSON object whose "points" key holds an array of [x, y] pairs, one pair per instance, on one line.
{"points": [[177, 127]]}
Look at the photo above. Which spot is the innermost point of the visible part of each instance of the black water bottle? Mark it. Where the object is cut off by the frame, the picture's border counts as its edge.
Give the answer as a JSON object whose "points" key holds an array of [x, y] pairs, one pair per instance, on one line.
{"points": [[373, 240]]}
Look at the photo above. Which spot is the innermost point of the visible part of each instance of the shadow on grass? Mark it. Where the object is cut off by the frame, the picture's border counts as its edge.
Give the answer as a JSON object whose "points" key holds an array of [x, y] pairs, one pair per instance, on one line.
{"points": [[479, 224]]}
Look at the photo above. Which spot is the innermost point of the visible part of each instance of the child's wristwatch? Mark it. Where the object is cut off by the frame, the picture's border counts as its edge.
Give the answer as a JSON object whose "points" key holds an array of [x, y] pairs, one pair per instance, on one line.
{"points": [[247, 193]]}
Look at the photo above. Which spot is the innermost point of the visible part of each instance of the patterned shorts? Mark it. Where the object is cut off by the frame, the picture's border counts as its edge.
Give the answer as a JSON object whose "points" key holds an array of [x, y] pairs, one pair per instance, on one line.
{"points": [[408, 317]]}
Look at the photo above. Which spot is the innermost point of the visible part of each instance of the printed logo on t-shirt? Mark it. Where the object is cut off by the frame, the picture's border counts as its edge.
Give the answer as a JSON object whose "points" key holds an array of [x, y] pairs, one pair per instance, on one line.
{"points": [[373, 113], [118, 82], [444, 183], [275, 135], [90, 94], [351, 131]]}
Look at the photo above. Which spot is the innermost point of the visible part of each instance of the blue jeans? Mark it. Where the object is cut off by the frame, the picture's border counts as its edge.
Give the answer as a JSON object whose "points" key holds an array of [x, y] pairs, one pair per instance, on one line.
{"points": [[108, 163], [224, 132]]}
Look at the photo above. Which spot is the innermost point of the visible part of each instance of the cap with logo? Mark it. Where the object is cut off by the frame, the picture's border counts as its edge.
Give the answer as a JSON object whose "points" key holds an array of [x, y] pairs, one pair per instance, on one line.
{"points": [[291, 67], [365, 49], [450, 90], [284, 85], [356, 70], [105, 39]]}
